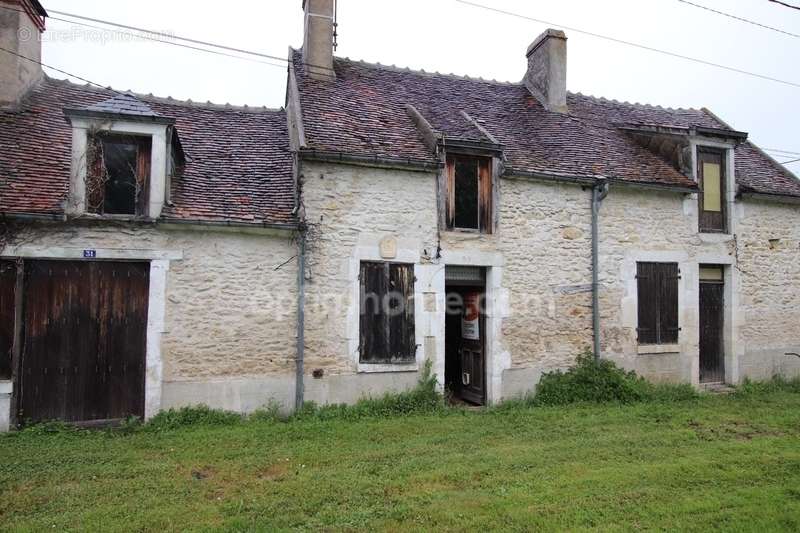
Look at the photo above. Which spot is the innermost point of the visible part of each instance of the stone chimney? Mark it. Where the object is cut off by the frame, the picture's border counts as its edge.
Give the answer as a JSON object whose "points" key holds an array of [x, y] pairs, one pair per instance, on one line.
{"points": [[21, 26], [546, 77], [318, 37]]}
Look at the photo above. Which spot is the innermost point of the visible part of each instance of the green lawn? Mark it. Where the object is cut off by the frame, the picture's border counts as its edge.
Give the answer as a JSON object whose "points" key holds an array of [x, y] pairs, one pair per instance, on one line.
{"points": [[718, 462]]}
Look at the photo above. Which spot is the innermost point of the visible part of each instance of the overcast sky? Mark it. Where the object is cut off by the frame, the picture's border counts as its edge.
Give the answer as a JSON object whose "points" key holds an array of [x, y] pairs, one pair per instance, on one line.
{"points": [[448, 36]]}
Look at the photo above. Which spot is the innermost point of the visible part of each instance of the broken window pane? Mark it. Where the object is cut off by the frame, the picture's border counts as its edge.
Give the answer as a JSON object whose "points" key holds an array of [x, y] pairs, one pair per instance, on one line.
{"points": [[120, 164], [118, 171], [466, 193]]}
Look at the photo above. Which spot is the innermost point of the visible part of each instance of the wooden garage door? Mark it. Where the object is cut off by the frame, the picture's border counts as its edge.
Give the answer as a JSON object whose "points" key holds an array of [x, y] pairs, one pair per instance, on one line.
{"points": [[85, 332]]}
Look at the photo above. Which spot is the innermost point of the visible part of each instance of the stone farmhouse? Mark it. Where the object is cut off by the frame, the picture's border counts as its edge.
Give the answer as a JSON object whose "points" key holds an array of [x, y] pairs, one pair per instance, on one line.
{"points": [[156, 253]]}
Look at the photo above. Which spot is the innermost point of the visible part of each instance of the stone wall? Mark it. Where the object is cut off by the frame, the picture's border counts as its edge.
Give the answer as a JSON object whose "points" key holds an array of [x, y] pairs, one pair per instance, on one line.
{"points": [[539, 269], [347, 208], [769, 262]]}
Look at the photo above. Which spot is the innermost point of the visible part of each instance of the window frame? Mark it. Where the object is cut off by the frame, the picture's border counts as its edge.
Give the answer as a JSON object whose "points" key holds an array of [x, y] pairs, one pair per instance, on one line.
{"points": [[707, 154], [142, 173], [652, 276], [402, 335], [485, 189]]}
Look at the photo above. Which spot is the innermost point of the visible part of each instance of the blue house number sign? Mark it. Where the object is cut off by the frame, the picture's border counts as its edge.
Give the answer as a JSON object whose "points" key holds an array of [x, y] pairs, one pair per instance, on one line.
{"points": [[90, 253]]}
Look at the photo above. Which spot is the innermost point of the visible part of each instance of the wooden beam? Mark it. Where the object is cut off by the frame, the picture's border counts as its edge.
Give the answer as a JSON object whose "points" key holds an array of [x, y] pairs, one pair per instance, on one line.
{"points": [[430, 136]]}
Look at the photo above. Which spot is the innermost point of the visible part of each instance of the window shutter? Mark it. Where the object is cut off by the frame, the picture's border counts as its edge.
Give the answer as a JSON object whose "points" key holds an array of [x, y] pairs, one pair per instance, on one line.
{"points": [[668, 302], [646, 282], [485, 180], [657, 286], [387, 313]]}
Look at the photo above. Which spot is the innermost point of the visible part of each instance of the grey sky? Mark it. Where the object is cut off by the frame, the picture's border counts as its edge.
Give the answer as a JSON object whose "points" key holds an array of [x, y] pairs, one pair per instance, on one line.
{"points": [[448, 36]]}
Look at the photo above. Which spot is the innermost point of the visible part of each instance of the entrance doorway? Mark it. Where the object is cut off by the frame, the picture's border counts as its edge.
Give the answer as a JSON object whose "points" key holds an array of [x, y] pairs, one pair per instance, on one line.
{"points": [[712, 321], [465, 334]]}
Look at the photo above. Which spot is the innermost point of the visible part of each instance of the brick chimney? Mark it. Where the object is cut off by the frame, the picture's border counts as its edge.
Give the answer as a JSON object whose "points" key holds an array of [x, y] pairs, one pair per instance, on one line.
{"points": [[21, 26], [546, 77], [318, 37]]}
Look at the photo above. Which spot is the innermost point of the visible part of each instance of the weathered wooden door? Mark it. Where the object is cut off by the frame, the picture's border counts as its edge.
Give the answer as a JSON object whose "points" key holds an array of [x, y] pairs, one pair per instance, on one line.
{"points": [[85, 332], [712, 312], [473, 387], [8, 283]]}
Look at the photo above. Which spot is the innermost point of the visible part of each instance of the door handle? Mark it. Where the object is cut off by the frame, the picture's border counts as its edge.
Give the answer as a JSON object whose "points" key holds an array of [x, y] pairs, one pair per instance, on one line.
{"points": [[465, 378]]}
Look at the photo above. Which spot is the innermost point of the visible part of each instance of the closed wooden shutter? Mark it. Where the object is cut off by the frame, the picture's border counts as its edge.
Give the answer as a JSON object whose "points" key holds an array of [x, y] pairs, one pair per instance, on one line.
{"points": [[387, 313], [657, 286]]}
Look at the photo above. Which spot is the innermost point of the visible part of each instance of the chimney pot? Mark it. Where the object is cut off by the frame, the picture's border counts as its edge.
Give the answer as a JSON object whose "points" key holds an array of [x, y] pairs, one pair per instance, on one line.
{"points": [[21, 26], [546, 77], [318, 38]]}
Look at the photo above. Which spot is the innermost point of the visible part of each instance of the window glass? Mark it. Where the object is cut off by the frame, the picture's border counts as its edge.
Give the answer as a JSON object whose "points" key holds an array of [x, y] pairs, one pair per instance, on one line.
{"points": [[712, 181]]}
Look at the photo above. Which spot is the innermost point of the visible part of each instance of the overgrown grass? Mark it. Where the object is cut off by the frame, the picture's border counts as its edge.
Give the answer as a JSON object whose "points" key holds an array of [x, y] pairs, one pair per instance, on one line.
{"points": [[717, 462], [600, 381]]}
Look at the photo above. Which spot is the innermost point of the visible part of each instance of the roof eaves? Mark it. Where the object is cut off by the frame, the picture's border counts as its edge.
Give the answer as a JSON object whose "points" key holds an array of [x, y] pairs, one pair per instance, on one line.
{"points": [[403, 163]]}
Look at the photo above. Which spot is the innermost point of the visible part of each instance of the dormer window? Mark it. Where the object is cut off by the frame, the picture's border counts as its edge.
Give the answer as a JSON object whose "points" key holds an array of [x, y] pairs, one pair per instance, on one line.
{"points": [[712, 200], [123, 155], [469, 193], [118, 174]]}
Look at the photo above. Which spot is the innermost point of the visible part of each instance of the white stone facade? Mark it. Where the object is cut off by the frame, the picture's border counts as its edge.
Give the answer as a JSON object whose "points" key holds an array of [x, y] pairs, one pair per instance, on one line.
{"points": [[539, 277], [224, 332]]}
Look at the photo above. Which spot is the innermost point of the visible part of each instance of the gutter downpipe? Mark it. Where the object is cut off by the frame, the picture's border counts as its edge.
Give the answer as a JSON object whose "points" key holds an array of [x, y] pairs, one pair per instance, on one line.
{"points": [[299, 391], [599, 192]]}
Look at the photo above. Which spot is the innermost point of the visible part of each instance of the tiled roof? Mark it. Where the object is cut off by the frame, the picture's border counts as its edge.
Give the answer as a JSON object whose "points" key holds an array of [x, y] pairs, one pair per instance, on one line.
{"points": [[238, 164], [123, 104], [363, 112]]}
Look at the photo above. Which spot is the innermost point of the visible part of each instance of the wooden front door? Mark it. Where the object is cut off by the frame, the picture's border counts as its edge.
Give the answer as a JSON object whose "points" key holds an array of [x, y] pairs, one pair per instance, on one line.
{"points": [[712, 313], [471, 353], [84, 341]]}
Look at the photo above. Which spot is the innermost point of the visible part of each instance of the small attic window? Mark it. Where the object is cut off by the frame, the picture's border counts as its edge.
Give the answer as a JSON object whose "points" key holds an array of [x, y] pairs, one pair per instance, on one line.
{"points": [[118, 173], [469, 193]]}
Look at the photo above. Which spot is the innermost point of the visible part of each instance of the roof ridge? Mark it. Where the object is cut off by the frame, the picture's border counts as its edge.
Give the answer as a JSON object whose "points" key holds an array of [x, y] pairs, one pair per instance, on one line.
{"points": [[167, 99], [423, 72], [635, 104]]}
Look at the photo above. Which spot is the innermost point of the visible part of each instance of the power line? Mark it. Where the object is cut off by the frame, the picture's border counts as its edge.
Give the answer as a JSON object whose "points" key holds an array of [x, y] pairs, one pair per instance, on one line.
{"points": [[167, 35], [141, 36], [740, 19], [62, 71], [777, 151], [790, 161], [784, 4], [636, 45], [170, 38]]}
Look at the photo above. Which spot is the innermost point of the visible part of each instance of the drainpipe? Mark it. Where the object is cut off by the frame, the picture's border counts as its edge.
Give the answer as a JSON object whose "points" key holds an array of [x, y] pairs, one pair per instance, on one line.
{"points": [[301, 318], [599, 192]]}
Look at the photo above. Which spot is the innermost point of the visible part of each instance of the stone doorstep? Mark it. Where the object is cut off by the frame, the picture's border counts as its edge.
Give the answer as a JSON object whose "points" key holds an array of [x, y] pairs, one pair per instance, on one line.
{"points": [[717, 387]]}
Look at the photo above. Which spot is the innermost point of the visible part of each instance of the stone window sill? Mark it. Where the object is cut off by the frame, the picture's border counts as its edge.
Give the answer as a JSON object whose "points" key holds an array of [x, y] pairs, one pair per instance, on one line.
{"points": [[644, 349], [366, 368], [715, 238]]}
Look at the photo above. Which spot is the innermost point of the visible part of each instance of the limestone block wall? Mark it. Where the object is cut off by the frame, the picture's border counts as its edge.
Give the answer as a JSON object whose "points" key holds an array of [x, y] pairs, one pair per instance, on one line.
{"points": [[349, 210], [644, 225], [769, 258]]}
